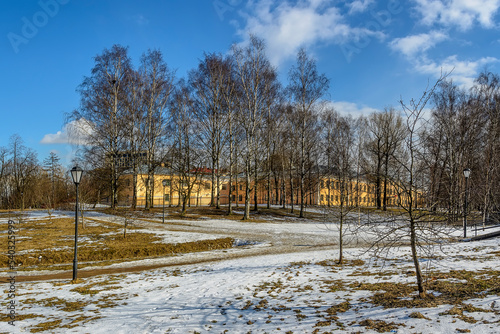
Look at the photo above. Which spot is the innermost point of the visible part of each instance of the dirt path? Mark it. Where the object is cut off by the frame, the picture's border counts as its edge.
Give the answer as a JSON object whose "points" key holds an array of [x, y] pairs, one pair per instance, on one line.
{"points": [[130, 268], [270, 238]]}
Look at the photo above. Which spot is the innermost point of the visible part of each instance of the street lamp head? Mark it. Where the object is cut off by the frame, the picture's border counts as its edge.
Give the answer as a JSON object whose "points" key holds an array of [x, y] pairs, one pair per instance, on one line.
{"points": [[76, 174], [466, 173]]}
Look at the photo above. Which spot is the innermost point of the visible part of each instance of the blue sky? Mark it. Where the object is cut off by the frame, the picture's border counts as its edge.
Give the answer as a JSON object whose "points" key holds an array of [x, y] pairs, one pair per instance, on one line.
{"points": [[374, 52]]}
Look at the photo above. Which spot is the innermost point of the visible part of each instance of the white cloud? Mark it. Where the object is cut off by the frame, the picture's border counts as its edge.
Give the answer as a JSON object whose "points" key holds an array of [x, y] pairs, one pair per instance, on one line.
{"points": [[353, 109], [460, 13], [74, 132], [412, 46], [359, 6], [288, 26], [58, 138], [463, 72]]}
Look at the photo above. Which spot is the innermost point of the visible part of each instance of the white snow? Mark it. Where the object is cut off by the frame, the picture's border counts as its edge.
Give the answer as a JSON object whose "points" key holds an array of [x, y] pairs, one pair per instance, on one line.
{"points": [[274, 293]]}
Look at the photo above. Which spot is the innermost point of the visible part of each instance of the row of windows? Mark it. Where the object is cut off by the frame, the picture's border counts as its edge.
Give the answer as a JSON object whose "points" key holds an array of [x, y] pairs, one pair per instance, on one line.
{"points": [[362, 187], [364, 200], [233, 188], [336, 199], [168, 183]]}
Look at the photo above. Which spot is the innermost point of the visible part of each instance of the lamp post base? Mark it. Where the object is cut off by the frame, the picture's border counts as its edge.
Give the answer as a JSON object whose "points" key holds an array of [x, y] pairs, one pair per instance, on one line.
{"points": [[75, 266]]}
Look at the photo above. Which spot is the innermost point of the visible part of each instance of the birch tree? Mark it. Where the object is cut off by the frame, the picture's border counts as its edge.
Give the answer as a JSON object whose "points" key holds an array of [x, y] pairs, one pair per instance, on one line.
{"points": [[210, 82], [255, 77], [157, 86], [306, 87], [102, 111]]}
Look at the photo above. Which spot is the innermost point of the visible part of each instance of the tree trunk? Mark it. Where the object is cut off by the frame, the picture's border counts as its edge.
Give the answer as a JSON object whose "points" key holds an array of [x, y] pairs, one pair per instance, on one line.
{"points": [[416, 263]]}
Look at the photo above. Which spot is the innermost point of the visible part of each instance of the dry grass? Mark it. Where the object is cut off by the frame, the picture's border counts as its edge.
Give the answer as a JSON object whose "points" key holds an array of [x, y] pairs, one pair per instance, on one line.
{"points": [[136, 245], [46, 326], [345, 263], [80, 320], [453, 287], [41, 244], [380, 325], [418, 315], [56, 233], [23, 316], [55, 302]]}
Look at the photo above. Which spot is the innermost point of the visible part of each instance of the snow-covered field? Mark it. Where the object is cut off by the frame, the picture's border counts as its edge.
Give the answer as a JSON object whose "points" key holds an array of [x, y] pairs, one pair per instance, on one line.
{"points": [[294, 292]]}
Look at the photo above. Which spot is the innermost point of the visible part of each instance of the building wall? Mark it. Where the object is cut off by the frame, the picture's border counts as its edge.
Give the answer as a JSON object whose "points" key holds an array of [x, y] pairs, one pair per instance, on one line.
{"points": [[326, 192], [200, 193]]}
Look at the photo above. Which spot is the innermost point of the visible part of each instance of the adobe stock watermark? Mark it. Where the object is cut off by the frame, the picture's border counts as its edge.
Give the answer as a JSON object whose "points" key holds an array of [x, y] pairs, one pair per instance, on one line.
{"points": [[380, 20], [223, 6], [31, 25], [11, 291]]}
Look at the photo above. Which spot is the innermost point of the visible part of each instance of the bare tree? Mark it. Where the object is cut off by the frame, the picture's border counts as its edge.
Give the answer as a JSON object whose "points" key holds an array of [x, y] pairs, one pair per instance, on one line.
{"points": [[486, 100], [417, 219], [187, 153], [24, 167], [157, 86], [134, 125], [231, 98], [385, 136], [55, 173], [460, 128], [4, 177], [340, 149], [211, 82], [255, 78], [102, 111], [306, 87]]}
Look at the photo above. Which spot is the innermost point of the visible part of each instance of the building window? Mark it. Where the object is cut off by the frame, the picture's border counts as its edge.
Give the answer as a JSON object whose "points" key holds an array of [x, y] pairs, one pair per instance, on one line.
{"points": [[241, 188], [224, 187], [207, 185], [233, 198], [240, 198], [233, 188], [322, 184], [322, 198]]}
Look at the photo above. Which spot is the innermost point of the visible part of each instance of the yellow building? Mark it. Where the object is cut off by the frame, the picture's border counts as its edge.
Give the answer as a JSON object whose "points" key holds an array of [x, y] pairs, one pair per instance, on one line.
{"points": [[197, 185], [363, 193]]}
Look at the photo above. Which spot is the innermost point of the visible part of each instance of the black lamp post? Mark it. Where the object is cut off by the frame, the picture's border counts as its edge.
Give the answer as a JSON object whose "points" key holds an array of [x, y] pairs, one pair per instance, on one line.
{"points": [[164, 182], [76, 175], [466, 174]]}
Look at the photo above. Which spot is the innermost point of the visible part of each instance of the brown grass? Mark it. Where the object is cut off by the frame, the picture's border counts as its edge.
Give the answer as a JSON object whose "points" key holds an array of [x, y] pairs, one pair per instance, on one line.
{"points": [[380, 325], [22, 316], [454, 287], [59, 303], [136, 245], [41, 244], [46, 326], [418, 315]]}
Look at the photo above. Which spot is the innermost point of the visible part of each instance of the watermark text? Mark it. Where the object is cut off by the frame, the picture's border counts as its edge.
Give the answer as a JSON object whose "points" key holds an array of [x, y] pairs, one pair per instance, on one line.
{"points": [[11, 255], [30, 26]]}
